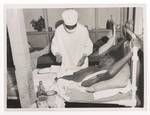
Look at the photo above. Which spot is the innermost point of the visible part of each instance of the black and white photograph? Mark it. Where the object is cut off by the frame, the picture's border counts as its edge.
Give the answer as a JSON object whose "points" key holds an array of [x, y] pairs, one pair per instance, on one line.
{"points": [[75, 57]]}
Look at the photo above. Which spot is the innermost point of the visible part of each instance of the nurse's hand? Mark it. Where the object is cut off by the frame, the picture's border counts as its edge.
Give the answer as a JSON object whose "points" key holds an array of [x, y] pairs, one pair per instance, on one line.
{"points": [[81, 61], [58, 58]]}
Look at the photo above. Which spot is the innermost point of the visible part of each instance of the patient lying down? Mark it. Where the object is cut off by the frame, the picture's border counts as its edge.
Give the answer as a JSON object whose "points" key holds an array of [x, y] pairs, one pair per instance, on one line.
{"points": [[116, 75]]}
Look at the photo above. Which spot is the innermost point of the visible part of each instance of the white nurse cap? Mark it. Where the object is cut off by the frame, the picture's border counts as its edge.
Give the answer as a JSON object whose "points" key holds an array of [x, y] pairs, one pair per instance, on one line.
{"points": [[70, 17]]}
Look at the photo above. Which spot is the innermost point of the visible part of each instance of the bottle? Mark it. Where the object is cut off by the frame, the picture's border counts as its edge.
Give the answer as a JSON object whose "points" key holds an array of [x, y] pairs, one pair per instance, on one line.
{"points": [[108, 24], [111, 22]]}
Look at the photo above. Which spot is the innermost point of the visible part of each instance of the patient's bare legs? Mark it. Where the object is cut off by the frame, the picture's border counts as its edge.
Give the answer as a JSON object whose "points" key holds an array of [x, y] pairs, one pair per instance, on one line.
{"points": [[120, 80], [112, 71]]}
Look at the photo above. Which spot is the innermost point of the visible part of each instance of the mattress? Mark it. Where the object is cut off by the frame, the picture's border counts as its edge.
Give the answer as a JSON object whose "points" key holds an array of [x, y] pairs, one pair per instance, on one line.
{"points": [[73, 91]]}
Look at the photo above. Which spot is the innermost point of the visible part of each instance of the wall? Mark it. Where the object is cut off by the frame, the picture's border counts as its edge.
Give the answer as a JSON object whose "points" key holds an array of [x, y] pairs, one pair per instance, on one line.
{"points": [[93, 18], [53, 16], [86, 16], [30, 14], [139, 21], [104, 14]]}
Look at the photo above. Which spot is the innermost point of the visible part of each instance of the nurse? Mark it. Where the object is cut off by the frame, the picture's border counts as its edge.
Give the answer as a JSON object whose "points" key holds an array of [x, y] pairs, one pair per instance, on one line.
{"points": [[71, 43]]}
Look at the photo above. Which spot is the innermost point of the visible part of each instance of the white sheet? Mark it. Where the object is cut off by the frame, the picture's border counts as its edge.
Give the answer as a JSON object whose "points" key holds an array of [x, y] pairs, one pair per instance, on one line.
{"points": [[49, 74], [112, 92], [52, 69]]}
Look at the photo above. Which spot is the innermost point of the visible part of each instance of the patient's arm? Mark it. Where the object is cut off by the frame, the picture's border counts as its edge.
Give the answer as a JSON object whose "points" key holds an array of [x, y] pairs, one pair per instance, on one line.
{"points": [[110, 42], [106, 46], [112, 71], [120, 80]]}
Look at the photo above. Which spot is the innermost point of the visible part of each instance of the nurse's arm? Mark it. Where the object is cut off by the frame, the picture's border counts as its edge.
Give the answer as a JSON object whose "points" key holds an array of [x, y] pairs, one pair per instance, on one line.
{"points": [[54, 46]]}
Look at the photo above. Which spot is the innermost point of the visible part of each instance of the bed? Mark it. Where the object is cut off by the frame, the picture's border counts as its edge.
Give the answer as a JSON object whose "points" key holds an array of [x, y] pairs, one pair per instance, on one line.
{"points": [[122, 96]]}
